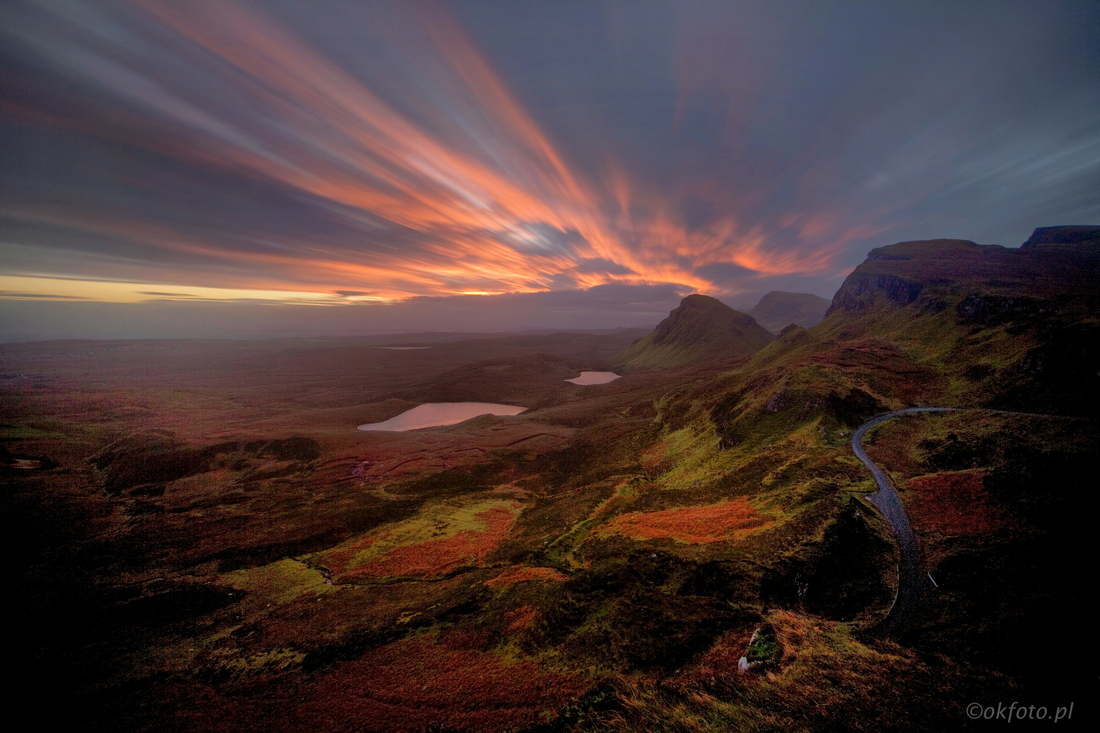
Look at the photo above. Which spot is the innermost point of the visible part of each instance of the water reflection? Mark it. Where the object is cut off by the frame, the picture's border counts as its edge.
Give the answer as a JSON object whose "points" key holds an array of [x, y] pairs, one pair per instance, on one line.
{"points": [[434, 414], [594, 378]]}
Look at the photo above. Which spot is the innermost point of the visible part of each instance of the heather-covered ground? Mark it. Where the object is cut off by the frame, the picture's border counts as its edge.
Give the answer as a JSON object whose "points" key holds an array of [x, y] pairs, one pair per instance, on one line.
{"points": [[202, 540]]}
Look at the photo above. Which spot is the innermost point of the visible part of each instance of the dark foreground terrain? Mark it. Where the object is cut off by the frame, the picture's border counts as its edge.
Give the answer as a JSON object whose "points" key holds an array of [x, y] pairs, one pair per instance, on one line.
{"points": [[201, 540]]}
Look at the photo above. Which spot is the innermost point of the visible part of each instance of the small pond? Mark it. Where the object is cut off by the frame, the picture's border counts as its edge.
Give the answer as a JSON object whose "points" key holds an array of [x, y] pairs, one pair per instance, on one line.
{"points": [[435, 414], [594, 378]]}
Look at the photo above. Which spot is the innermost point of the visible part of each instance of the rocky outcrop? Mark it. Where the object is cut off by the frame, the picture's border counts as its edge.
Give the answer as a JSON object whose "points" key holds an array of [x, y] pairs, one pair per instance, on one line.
{"points": [[898, 274], [763, 653], [1055, 262], [996, 310], [858, 292]]}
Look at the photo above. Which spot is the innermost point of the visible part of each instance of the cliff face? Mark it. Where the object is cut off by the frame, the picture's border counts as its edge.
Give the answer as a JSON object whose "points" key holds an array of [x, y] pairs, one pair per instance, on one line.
{"points": [[1081, 236], [699, 329], [1054, 262], [858, 292], [897, 273], [1010, 327]]}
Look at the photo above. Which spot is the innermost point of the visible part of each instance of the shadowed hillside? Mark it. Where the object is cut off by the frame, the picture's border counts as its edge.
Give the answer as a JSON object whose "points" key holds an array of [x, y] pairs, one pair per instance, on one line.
{"points": [[1012, 328], [1056, 262], [1076, 236], [777, 310], [699, 329]]}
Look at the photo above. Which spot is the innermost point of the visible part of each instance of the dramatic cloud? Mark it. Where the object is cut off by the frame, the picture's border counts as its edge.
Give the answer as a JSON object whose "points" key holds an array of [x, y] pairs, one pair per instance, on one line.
{"points": [[337, 152]]}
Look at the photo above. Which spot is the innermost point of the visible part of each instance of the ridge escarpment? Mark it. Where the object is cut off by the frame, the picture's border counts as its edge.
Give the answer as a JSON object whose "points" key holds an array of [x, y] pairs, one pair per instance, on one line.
{"points": [[1054, 262]]}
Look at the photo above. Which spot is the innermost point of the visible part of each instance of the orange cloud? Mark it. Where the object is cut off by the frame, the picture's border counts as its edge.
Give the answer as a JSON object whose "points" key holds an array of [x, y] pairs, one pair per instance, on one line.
{"points": [[325, 135]]}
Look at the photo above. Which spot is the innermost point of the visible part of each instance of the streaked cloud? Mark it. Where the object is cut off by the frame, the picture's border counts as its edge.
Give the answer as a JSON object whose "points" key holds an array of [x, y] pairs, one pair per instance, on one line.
{"points": [[332, 152], [55, 288]]}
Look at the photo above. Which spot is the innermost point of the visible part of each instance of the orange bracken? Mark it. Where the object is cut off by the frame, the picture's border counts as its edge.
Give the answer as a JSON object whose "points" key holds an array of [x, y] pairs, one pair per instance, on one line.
{"points": [[717, 522]]}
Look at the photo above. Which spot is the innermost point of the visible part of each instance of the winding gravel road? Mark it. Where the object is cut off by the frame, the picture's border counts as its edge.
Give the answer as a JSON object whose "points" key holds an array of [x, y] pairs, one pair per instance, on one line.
{"points": [[912, 582]]}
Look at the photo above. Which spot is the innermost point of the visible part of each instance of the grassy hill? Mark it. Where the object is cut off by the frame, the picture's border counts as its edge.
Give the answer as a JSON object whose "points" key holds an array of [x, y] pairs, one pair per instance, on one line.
{"points": [[699, 329]]}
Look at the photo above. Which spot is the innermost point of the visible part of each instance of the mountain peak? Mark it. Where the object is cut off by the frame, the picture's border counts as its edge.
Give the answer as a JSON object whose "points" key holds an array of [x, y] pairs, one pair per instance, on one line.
{"points": [[700, 301], [701, 328]]}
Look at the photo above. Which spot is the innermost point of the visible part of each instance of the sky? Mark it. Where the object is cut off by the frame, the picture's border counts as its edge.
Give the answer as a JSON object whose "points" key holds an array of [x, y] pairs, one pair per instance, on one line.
{"points": [[223, 167]]}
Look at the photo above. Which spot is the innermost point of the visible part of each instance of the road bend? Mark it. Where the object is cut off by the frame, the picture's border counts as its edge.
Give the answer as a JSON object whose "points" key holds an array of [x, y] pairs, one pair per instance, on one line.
{"points": [[912, 581]]}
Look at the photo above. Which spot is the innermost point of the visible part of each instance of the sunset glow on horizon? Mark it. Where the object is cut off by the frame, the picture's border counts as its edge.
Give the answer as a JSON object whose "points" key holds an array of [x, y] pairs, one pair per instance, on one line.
{"points": [[332, 153]]}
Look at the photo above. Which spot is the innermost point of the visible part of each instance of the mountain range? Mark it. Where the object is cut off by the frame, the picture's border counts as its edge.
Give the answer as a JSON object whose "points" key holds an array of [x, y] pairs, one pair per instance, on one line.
{"points": [[777, 310]]}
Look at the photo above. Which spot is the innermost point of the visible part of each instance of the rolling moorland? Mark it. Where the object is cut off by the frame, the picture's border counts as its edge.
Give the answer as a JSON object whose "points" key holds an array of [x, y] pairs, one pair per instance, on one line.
{"points": [[201, 540]]}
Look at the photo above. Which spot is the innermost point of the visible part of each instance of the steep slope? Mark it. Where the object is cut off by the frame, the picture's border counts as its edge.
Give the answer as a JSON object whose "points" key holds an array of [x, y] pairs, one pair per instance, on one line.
{"points": [[777, 310], [1056, 262], [944, 322], [1075, 236], [699, 329]]}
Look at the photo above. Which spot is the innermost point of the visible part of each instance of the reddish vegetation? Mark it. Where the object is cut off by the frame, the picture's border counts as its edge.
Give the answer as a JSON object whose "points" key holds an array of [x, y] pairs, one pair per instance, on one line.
{"points": [[522, 573], [872, 353], [715, 523], [337, 561], [891, 366], [520, 619], [440, 556], [951, 503], [656, 461], [414, 684], [716, 668], [893, 446]]}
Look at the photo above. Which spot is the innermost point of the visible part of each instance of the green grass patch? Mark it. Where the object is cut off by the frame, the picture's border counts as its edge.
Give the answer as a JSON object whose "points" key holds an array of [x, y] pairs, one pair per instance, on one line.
{"points": [[26, 432], [280, 582]]}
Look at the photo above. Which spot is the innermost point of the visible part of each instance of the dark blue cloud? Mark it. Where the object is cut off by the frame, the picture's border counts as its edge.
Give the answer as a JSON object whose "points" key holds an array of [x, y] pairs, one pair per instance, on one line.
{"points": [[398, 149]]}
